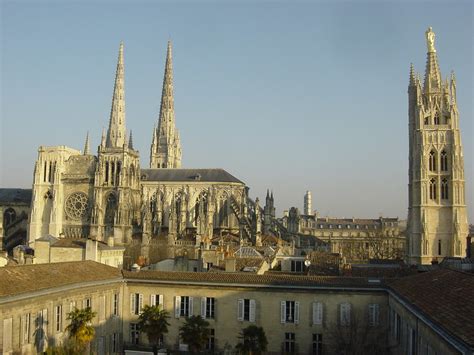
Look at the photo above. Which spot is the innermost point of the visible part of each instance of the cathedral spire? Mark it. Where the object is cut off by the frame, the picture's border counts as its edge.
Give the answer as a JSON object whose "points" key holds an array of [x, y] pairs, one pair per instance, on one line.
{"points": [[103, 138], [166, 147], [87, 149], [130, 140], [432, 72], [116, 132]]}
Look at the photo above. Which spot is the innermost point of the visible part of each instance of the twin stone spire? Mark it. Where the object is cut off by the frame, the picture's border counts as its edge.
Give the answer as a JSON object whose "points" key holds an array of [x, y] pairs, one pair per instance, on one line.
{"points": [[166, 146]]}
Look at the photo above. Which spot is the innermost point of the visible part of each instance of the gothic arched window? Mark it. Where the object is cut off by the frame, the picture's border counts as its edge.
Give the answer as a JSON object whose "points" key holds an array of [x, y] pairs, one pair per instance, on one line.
{"points": [[444, 189], [9, 216], [432, 161], [444, 161], [436, 118], [111, 207], [433, 189]]}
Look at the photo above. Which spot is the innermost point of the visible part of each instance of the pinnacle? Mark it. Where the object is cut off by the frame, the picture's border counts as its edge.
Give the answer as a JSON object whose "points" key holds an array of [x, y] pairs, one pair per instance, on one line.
{"points": [[86, 145], [412, 75], [130, 141]]}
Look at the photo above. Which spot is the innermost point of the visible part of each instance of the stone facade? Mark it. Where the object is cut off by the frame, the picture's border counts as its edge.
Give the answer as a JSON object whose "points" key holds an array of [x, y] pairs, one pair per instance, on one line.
{"points": [[437, 218], [299, 314]]}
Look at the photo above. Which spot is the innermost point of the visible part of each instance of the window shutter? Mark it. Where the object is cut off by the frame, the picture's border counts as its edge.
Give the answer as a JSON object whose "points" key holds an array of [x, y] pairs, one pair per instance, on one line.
{"points": [[152, 300], [140, 303], [132, 303], [297, 312], [203, 307], [177, 306], [252, 311], [191, 304], [160, 301], [283, 311], [240, 310], [317, 313], [45, 322]]}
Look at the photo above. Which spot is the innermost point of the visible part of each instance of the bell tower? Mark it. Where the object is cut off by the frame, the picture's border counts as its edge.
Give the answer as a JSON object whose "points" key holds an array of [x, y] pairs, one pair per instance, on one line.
{"points": [[437, 218]]}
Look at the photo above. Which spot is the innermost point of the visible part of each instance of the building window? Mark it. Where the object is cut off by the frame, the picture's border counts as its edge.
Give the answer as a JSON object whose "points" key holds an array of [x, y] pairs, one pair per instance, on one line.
{"points": [[58, 316], [211, 340], [290, 344], [156, 300], [26, 322], [444, 161], [436, 118], [432, 161], [439, 246], [134, 333], [208, 307], [345, 314], [373, 314], [398, 327], [114, 342], [115, 306], [290, 312], [297, 266], [87, 303], [317, 344], [444, 189], [433, 189], [339, 226], [317, 313], [136, 303], [183, 306], [246, 310]]}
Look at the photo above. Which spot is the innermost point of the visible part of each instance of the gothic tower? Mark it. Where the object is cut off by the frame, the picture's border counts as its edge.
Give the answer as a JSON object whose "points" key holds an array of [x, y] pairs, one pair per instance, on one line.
{"points": [[437, 219], [116, 182], [166, 147]]}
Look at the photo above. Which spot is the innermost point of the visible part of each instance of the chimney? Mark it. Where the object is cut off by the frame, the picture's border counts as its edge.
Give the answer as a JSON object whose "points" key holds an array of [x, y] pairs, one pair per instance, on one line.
{"points": [[230, 264]]}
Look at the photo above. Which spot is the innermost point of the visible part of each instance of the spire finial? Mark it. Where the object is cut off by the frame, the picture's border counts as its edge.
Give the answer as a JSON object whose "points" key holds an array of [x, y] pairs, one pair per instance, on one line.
{"points": [[87, 149], [116, 133], [433, 82]]}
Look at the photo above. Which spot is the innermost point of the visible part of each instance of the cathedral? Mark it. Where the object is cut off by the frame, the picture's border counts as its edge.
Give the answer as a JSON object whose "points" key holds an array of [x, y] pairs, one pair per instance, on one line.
{"points": [[164, 209], [437, 219]]}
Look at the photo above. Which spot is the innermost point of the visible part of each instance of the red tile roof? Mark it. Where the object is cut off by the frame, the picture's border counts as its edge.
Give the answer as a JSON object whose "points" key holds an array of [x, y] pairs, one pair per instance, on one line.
{"points": [[23, 279], [445, 296], [230, 278]]}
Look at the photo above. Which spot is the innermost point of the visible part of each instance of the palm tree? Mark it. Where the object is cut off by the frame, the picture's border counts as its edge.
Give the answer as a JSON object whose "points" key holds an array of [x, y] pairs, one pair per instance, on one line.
{"points": [[195, 332], [254, 341], [80, 329], [154, 322]]}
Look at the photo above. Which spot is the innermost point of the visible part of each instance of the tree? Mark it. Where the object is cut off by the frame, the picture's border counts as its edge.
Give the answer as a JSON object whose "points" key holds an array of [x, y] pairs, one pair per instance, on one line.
{"points": [[80, 329], [195, 332], [254, 341], [154, 322]]}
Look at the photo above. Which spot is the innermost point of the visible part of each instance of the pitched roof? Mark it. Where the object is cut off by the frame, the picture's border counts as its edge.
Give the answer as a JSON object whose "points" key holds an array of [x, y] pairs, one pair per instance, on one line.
{"points": [[15, 195], [445, 296], [230, 278], [24, 279], [205, 175]]}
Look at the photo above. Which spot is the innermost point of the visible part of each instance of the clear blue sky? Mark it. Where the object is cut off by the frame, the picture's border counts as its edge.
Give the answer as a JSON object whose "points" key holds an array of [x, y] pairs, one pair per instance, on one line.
{"points": [[286, 96]]}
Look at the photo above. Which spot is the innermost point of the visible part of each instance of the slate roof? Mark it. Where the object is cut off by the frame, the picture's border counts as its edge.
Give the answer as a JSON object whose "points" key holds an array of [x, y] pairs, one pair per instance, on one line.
{"points": [[15, 195], [205, 175], [445, 296], [230, 278], [24, 279]]}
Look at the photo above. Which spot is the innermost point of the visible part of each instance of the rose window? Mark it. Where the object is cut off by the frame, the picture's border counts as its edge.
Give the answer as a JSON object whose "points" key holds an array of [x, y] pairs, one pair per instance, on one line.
{"points": [[76, 205]]}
